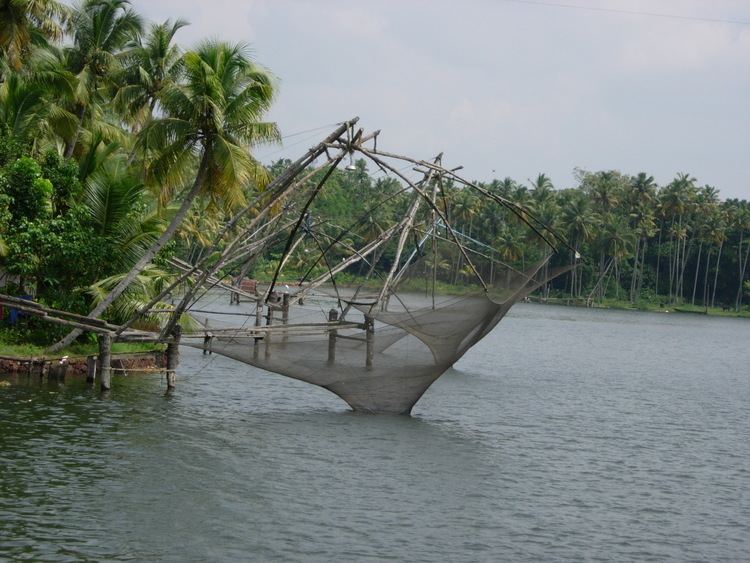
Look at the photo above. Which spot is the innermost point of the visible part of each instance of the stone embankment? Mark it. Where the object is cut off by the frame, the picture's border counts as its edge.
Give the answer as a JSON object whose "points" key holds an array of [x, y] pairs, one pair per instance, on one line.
{"points": [[135, 361]]}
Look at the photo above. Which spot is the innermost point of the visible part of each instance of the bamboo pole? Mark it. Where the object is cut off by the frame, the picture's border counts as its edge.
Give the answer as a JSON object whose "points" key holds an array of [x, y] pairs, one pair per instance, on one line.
{"points": [[301, 218], [230, 248], [434, 207], [278, 188], [516, 209], [364, 251], [406, 225]]}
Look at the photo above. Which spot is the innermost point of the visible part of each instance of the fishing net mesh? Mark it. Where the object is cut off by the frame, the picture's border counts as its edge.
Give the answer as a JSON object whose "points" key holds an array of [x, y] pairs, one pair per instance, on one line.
{"points": [[416, 333]]}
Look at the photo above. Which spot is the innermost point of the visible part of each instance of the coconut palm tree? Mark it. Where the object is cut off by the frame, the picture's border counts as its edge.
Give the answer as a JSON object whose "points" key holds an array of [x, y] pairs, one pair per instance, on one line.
{"points": [[26, 22], [705, 206], [676, 200], [151, 63], [742, 225], [640, 195], [123, 211], [604, 190], [614, 239], [542, 190], [33, 105], [212, 118], [101, 30], [719, 236], [578, 224]]}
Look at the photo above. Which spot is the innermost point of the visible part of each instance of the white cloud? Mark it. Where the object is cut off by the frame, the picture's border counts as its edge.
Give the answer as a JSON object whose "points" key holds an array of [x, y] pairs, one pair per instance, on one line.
{"points": [[683, 46]]}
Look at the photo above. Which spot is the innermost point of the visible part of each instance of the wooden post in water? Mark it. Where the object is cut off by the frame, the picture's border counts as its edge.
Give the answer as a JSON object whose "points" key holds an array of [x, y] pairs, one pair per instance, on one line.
{"points": [[62, 368], [370, 340], [258, 322], [105, 358], [267, 339], [207, 343], [173, 357], [333, 316], [285, 314], [90, 369]]}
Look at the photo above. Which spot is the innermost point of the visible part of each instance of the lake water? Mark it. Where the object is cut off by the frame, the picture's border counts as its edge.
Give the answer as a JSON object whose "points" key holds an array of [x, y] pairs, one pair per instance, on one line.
{"points": [[567, 434]]}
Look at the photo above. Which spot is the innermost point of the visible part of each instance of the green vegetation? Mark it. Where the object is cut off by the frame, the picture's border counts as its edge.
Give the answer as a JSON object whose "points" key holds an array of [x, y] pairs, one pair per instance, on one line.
{"points": [[643, 246], [112, 139], [120, 149], [11, 347]]}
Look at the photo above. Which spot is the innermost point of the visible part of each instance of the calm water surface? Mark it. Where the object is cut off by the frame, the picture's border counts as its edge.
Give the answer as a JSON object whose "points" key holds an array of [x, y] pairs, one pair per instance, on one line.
{"points": [[567, 434]]}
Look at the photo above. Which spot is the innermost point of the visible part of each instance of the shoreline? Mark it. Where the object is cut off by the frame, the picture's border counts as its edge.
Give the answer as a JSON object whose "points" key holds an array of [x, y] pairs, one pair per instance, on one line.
{"points": [[78, 365], [645, 308]]}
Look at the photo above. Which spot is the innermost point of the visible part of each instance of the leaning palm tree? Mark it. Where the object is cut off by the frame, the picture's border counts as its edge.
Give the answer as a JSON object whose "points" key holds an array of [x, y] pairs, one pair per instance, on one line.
{"points": [[213, 118]]}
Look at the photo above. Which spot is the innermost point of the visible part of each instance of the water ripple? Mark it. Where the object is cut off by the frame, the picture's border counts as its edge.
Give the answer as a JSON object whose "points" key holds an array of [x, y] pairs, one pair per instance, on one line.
{"points": [[565, 435]]}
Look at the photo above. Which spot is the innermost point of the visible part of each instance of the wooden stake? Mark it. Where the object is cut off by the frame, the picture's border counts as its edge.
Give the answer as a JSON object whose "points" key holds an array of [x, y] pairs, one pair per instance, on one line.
{"points": [[173, 357], [370, 339], [285, 313], [333, 316], [105, 357], [267, 339], [258, 322], [90, 369]]}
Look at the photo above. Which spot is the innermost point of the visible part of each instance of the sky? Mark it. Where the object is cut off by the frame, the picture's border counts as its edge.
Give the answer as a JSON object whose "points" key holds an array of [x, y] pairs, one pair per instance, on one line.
{"points": [[506, 87]]}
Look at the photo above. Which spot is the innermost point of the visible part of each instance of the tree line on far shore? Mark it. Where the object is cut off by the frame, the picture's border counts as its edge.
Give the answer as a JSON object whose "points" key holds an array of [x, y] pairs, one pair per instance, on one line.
{"points": [[639, 242], [676, 244]]}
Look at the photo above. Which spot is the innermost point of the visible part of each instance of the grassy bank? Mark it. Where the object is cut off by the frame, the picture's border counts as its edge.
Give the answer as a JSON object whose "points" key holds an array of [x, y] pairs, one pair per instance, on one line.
{"points": [[25, 350], [652, 306]]}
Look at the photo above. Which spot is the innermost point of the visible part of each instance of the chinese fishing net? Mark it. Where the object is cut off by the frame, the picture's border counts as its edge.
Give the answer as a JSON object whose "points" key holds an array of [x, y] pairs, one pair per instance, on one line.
{"points": [[383, 351]]}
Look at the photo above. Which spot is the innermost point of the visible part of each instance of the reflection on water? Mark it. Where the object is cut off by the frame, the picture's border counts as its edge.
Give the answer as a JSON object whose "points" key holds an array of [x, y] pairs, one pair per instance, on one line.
{"points": [[566, 434]]}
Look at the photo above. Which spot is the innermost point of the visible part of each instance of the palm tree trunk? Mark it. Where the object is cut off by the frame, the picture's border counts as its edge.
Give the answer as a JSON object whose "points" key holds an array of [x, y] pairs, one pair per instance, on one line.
{"points": [[70, 145], [642, 268], [658, 258], [151, 106], [716, 273], [705, 280], [697, 269], [685, 256], [145, 259], [574, 273], [743, 269], [634, 275], [617, 279], [672, 260]]}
